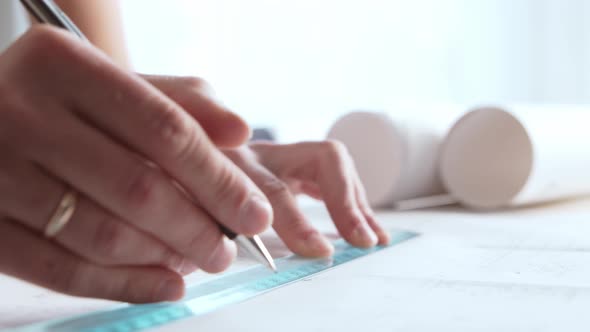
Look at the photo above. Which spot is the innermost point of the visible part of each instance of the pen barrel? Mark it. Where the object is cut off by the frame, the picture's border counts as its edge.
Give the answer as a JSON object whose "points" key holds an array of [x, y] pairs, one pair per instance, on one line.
{"points": [[47, 12], [227, 232]]}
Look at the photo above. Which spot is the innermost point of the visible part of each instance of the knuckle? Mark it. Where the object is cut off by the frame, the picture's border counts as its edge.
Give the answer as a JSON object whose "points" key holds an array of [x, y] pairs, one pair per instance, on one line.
{"points": [[349, 208], [335, 156], [227, 184], [195, 83], [107, 241], [334, 148], [199, 87], [171, 129], [44, 51], [170, 258], [202, 156], [306, 233], [49, 42], [140, 190], [274, 188], [354, 221], [239, 155], [43, 35], [124, 288], [297, 225]]}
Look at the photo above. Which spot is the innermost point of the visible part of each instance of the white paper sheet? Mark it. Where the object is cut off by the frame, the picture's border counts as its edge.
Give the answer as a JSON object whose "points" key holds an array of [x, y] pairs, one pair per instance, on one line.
{"points": [[525, 270], [454, 278]]}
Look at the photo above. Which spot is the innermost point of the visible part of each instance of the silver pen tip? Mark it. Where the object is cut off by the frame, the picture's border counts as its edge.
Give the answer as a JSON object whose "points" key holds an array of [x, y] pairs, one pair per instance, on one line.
{"points": [[257, 250], [267, 256]]}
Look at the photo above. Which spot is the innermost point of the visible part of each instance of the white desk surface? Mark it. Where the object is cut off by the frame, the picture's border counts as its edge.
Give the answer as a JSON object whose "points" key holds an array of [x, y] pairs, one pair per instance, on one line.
{"points": [[520, 270]]}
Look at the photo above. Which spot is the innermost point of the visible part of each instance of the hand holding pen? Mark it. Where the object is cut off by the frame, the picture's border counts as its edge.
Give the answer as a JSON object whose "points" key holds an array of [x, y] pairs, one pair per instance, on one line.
{"points": [[99, 150], [46, 11]]}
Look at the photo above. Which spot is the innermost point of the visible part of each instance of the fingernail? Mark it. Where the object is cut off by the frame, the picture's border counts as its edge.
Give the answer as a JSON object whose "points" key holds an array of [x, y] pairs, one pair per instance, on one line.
{"points": [[222, 256], [187, 267], [382, 234], [181, 265], [384, 238], [318, 245], [255, 215], [175, 263], [363, 235], [169, 290]]}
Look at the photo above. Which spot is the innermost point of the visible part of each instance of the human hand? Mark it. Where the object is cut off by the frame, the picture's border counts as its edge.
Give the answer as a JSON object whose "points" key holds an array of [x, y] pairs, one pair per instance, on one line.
{"points": [[223, 127], [72, 120], [323, 170]]}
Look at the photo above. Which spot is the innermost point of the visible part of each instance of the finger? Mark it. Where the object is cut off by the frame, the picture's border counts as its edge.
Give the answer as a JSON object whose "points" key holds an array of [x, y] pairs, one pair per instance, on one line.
{"points": [[225, 128], [328, 165], [27, 256], [311, 189], [361, 197], [289, 222], [337, 184], [92, 232], [102, 238], [130, 189], [133, 112]]}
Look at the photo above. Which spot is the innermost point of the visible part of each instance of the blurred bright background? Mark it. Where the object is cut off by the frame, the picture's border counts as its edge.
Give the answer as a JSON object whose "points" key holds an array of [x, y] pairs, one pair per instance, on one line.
{"points": [[297, 65]]}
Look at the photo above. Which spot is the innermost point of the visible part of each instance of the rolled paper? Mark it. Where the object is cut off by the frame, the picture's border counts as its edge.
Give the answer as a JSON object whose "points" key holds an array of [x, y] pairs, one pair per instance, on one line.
{"points": [[495, 157], [396, 156], [13, 22]]}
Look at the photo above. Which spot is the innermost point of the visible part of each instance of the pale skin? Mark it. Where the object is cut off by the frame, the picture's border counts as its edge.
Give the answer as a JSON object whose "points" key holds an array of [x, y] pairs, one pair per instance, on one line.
{"points": [[157, 164]]}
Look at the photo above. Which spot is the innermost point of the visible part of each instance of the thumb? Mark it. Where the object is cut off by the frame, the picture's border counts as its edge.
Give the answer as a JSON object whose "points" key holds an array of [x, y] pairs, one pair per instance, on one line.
{"points": [[225, 128]]}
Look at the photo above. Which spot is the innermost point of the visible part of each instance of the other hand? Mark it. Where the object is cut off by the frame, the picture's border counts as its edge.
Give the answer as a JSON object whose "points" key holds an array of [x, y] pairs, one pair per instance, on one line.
{"points": [[323, 170]]}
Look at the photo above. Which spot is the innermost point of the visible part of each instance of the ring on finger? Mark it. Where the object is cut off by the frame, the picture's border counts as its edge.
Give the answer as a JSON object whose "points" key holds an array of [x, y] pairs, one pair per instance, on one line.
{"points": [[62, 214]]}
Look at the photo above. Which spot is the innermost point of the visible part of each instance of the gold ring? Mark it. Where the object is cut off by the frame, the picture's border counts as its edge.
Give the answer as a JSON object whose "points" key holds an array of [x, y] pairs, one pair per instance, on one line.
{"points": [[62, 214]]}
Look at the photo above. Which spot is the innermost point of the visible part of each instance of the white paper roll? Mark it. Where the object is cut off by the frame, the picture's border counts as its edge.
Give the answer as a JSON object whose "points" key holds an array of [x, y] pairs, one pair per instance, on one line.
{"points": [[396, 157], [13, 22], [496, 157]]}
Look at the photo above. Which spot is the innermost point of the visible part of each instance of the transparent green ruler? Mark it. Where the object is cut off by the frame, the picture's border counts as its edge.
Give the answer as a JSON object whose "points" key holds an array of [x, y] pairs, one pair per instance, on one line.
{"points": [[211, 295]]}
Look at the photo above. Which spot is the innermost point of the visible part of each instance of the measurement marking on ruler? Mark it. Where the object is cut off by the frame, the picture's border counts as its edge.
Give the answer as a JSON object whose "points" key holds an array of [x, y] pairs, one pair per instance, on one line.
{"points": [[211, 295]]}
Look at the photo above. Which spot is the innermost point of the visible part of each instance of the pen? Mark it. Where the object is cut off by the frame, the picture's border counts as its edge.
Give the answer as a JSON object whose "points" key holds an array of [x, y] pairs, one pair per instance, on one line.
{"points": [[47, 11]]}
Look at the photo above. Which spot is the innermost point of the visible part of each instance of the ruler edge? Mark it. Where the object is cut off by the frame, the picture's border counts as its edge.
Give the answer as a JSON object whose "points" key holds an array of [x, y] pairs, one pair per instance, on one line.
{"points": [[44, 325]]}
